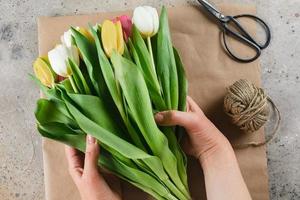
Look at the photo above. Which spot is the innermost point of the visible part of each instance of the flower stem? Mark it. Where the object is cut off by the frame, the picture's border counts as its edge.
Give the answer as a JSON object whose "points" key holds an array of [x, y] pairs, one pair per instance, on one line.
{"points": [[73, 84], [151, 53]]}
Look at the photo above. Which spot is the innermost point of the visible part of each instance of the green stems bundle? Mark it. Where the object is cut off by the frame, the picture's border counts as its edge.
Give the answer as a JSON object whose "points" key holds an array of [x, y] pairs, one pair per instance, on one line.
{"points": [[112, 94]]}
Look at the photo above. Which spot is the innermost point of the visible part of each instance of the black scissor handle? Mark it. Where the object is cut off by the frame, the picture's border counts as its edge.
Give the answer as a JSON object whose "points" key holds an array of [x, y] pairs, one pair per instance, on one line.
{"points": [[242, 35], [237, 58], [262, 24]]}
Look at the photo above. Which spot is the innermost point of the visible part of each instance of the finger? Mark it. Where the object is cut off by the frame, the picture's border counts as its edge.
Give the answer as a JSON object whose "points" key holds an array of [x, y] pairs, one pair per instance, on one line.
{"points": [[91, 156], [203, 121], [75, 162], [193, 106], [172, 118]]}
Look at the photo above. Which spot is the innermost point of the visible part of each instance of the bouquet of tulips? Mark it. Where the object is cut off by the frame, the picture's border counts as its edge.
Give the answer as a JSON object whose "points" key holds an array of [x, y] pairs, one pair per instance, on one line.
{"points": [[108, 81]]}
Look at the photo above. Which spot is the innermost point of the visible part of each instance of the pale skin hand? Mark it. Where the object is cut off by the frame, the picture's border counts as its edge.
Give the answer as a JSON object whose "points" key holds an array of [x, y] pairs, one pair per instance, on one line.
{"points": [[223, 179], [85, 173]]}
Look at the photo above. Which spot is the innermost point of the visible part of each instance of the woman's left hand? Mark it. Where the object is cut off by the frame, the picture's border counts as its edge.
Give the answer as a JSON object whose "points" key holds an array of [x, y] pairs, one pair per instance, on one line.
{"points": [[84, 171]]}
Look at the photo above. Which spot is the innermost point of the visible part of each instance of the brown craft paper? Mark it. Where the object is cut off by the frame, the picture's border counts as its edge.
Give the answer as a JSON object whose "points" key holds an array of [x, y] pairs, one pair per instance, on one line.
{"points": [[209, 72]]}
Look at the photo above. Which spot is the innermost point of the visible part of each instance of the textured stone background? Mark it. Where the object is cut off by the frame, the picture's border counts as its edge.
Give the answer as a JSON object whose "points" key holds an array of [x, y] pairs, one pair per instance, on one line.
{"points": [[21, 170]]}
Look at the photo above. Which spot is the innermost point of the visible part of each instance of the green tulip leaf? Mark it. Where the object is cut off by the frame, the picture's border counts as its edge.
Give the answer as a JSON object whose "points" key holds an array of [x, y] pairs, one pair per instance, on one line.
{"points": [[89, 54], [166, 66], [48, 111], [142, 59], [79, 78], [113, 88]]}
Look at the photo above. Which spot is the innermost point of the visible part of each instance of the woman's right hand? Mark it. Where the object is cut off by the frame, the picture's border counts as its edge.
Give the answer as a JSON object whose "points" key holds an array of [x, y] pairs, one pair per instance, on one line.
{"points": [[204, 138], [213, 150]]}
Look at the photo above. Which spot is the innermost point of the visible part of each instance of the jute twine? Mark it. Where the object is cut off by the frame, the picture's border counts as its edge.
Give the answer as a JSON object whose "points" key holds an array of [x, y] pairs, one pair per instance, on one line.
{"points": [[248, 107]]}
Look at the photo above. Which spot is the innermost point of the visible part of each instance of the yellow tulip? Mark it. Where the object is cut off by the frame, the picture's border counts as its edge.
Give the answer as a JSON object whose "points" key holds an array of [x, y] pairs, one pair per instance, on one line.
{"points": [[112, 37], [120, 39], [43, 72], [86, 33]]}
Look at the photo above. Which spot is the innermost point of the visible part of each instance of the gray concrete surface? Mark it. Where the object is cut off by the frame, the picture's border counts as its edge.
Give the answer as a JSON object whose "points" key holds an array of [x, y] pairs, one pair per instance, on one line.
{"points": [[21, 170]]}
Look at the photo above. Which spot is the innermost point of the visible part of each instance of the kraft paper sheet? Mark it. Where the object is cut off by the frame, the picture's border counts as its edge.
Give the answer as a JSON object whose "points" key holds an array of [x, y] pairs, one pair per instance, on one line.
{"points": [[209, 71]]}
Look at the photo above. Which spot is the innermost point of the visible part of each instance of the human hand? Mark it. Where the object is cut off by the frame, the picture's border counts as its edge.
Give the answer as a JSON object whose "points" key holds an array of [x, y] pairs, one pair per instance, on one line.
{"points": [[84, 171], [213, 150], [204, 138]]}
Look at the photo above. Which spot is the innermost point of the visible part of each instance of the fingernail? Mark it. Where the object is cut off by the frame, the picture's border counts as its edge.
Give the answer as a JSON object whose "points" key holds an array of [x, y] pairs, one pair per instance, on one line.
{"points": [[91, 139], [159, 117]]}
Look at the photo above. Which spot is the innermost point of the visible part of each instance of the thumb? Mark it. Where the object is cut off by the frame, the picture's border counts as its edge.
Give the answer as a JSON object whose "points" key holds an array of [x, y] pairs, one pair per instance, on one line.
{"points": [[173, 118], [91, 156]]}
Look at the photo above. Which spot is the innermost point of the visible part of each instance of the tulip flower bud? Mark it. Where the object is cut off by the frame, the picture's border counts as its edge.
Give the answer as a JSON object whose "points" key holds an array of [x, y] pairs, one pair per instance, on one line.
{"points": [[67, 39], [126, 25], [112, 37], [43, 71], [58, 58], [86, 33], [145, 18]]}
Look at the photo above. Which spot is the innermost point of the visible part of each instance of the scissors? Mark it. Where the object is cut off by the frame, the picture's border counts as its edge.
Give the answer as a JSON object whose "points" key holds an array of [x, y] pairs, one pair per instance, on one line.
{"points": [[239, 32]]}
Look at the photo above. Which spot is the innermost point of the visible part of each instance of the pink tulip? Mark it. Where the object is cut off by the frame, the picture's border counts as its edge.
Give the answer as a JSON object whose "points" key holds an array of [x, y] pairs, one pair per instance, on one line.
{"points": [[126, 25]]}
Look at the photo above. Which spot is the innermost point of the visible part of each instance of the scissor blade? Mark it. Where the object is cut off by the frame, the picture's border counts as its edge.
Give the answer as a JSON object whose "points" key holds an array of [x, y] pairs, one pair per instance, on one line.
{"points": [[211, 9]]}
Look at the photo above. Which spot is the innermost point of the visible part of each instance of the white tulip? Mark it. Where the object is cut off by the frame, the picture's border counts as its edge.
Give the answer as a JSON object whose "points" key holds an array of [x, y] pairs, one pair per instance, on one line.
{"points": [[145, 18], [58, 58], [66, 38]]}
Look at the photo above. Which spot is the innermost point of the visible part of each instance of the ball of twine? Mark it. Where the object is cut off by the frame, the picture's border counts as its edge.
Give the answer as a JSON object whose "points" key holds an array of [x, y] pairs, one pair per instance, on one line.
{"points": [[247, 105]]}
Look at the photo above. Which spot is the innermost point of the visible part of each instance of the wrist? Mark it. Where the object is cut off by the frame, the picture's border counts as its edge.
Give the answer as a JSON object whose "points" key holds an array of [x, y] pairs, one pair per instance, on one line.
{"points": [[210, 141], [220, 153]]}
